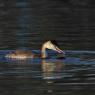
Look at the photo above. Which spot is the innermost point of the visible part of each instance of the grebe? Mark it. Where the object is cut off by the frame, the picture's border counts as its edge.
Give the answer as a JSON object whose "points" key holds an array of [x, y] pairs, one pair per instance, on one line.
{"points": [[21, 54]]}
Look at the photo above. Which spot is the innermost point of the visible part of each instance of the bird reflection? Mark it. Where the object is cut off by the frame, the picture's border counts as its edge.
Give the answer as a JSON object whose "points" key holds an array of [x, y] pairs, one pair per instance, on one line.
{"points": [[51, 71]]}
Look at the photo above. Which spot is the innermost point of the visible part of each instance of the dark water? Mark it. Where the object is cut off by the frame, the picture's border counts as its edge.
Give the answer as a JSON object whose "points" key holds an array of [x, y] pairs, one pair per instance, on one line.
{"points": [[28, 23], [74, 75]]}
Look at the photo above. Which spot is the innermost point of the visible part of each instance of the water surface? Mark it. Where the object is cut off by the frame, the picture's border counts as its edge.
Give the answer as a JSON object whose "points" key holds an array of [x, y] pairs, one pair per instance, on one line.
{"points": [[74, 75]]}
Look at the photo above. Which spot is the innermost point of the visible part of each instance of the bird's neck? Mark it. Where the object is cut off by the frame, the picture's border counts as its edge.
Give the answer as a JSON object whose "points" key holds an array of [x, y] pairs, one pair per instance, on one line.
{"points": [[43, 52]]}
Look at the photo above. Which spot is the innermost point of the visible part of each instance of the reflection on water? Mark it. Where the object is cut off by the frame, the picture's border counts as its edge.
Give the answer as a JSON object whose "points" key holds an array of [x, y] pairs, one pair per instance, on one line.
{"points": [[51, 70], [70, 76]]}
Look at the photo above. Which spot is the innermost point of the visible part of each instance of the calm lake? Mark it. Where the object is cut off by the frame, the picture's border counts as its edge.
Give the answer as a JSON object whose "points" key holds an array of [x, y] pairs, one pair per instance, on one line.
{"points": [[74, 75]]}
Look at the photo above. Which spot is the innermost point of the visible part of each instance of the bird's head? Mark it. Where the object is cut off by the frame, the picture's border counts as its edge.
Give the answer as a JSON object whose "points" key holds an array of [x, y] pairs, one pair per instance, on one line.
{"points": [[53, 46]]}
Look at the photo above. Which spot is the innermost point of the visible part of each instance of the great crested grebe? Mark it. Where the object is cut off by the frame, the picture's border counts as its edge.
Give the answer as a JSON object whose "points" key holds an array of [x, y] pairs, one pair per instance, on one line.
{"points": [[21, 54]]}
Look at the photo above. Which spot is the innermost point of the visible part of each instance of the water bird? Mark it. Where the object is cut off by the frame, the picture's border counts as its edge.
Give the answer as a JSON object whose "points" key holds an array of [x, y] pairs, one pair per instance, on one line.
{"points": [[23, 54]]}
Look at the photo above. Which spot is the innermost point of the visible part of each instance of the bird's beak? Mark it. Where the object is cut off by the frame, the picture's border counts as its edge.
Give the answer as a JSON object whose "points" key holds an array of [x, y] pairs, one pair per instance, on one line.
{"points": [[58, 50]]}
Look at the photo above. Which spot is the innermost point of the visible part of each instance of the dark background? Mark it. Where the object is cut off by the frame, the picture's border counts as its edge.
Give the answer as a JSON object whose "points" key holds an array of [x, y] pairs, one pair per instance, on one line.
{"points": [[27, 23]]}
